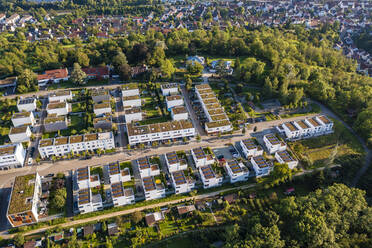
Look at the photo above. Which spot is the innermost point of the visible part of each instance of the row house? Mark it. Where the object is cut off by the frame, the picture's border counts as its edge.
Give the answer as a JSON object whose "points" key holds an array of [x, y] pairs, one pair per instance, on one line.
{"points": [[102, 108], [169, 89], [54, 123], [104, 122], [209, 178], [24, 200], [57, 108], [179, 113], [201, 158], [60, 96], [174, 163], [116, 174], [284, 157], [153, 189], [159, 131], [26, 104], [147, 169], [54, 76], [181, 183], [273, 144], [133, 114], [100, 95], [237, 171], [131, 101], [130, 89], [23, 118], [85, 180], [251, 148], [75, 144], [173, 101], [12, 156], [121, 196], [20, 134], [89, 202], [261, 166]]}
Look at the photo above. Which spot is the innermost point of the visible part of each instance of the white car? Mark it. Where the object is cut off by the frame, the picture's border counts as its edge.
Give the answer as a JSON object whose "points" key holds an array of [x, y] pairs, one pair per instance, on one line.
{"points": [[29, 161]]}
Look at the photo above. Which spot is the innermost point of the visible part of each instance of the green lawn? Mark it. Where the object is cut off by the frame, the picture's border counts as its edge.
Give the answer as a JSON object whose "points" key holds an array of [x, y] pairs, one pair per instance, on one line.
{"points": [[78, 107], [49, 135]]}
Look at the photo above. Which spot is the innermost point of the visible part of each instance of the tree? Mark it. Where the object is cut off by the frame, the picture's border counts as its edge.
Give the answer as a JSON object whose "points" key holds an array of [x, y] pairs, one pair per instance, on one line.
{"points": [[125, 72], [19, 240], [27, 81], [194, 67], [119, 60], [59, 199], [167, 69], [77, 75], [222, 69], [198, 138], [136, 217]]}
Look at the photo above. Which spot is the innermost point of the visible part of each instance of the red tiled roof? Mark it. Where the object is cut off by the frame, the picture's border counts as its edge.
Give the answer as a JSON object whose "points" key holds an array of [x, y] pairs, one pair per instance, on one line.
{"points": [[96, 71], [53, 74]]}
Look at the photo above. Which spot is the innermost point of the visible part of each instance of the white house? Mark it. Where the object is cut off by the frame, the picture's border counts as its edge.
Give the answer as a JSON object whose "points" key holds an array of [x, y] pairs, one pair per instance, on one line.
{"points": [[273, 144], [120, 195], [197, 59], [102, 108], [24, 200], [100, 95], [152, 189], [159, 131], [179, 113], [85, 180], [12, 156], [20, 134], [132, 101], [261, 166], [200, 158], [236, 171], [172, 101], [146, 169], [250, 148], [209, 177], [26, 104], [133, 114], [54, 76], [174, 163], [60, 96], [23, 118], [58, 108], [181, 183], [130, 89], [88, 202], [284, 157], [64, 145], [116, 174], [169, 89]]}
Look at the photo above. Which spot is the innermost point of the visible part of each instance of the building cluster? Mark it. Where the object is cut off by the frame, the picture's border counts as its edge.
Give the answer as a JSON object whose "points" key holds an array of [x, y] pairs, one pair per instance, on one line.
{"points": [[218, 122]]}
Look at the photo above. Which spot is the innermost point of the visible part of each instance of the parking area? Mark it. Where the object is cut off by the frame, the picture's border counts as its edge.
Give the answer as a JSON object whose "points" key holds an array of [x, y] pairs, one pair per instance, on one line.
{"points": [[226, 153]]}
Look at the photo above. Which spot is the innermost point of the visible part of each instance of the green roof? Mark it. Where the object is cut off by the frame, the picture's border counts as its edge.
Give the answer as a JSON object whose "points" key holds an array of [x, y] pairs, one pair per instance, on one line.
{"points": [[22, 190]]}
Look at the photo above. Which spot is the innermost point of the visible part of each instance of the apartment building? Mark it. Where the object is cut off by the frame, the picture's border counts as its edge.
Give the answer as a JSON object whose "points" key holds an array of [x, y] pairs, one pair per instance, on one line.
{"points": [[284, 157], [102, 108], [152, 188], [174, 163], [173, 101], [273, 144], [104, 122], [85, 180], [261, 166], [209, 177], [237, 171], [179, 113], [58, 108], [89, 202], [159, 131], [251, 148], [147, 169], [23, 118], [201, 158], [20, 134], [121, 196], [131, 101], [24, 200], [169, 89], [53, 123], [115, 174], [130, 89], [60, 96], [181, 183], [100, 95], [133, 114], [218, 122], [26, 104], [63, 145], [12, 156]]}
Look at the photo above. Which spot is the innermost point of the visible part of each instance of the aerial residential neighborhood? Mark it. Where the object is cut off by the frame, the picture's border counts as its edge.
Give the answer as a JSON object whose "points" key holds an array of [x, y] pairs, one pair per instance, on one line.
{"points": [[185, 123]]}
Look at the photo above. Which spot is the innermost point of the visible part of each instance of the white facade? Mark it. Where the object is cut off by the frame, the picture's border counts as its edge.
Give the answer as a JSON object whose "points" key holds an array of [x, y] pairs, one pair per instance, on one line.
{"points": [[174, 163], [130, 90], [26, 104], [133, 114], [200, 158], [260, 166], [180, 183], [147, 169], [179, 113], [273, 144], [58, 108], [76, 144], [131, 102], [309, 127], [23, 118], [173, 101], [250, 148], [209, 177], [169, 89], [159, 131], [121, 196], [87, 202], [20, 134], [236, 171], [102, 111], [151, 189], [116, 174], [60, 96], [12, 156], [285, 158]]}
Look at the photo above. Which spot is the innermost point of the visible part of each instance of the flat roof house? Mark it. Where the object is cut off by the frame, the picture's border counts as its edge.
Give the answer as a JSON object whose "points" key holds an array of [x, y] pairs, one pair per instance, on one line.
{"points": [[153, 218], [236, 171], [54, 76], [169, 89], [12, 156], [100, 95], [102, 108], [8, 82], [181, 183], [261, 166], [23, 118], [273, 144], [153, 189], [116, 174], [104, 122], [200, 158], [26, 104], [146, 168], [120, 195], [57, 108], [130, 89], [89, 202], [60, 96], [284, 157], [173, 101], [250, 148], [132, 101], [179, 113], [133, 114], [53, 123], [20, 134], [24, 200], [174, 163], [209, 177]]}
